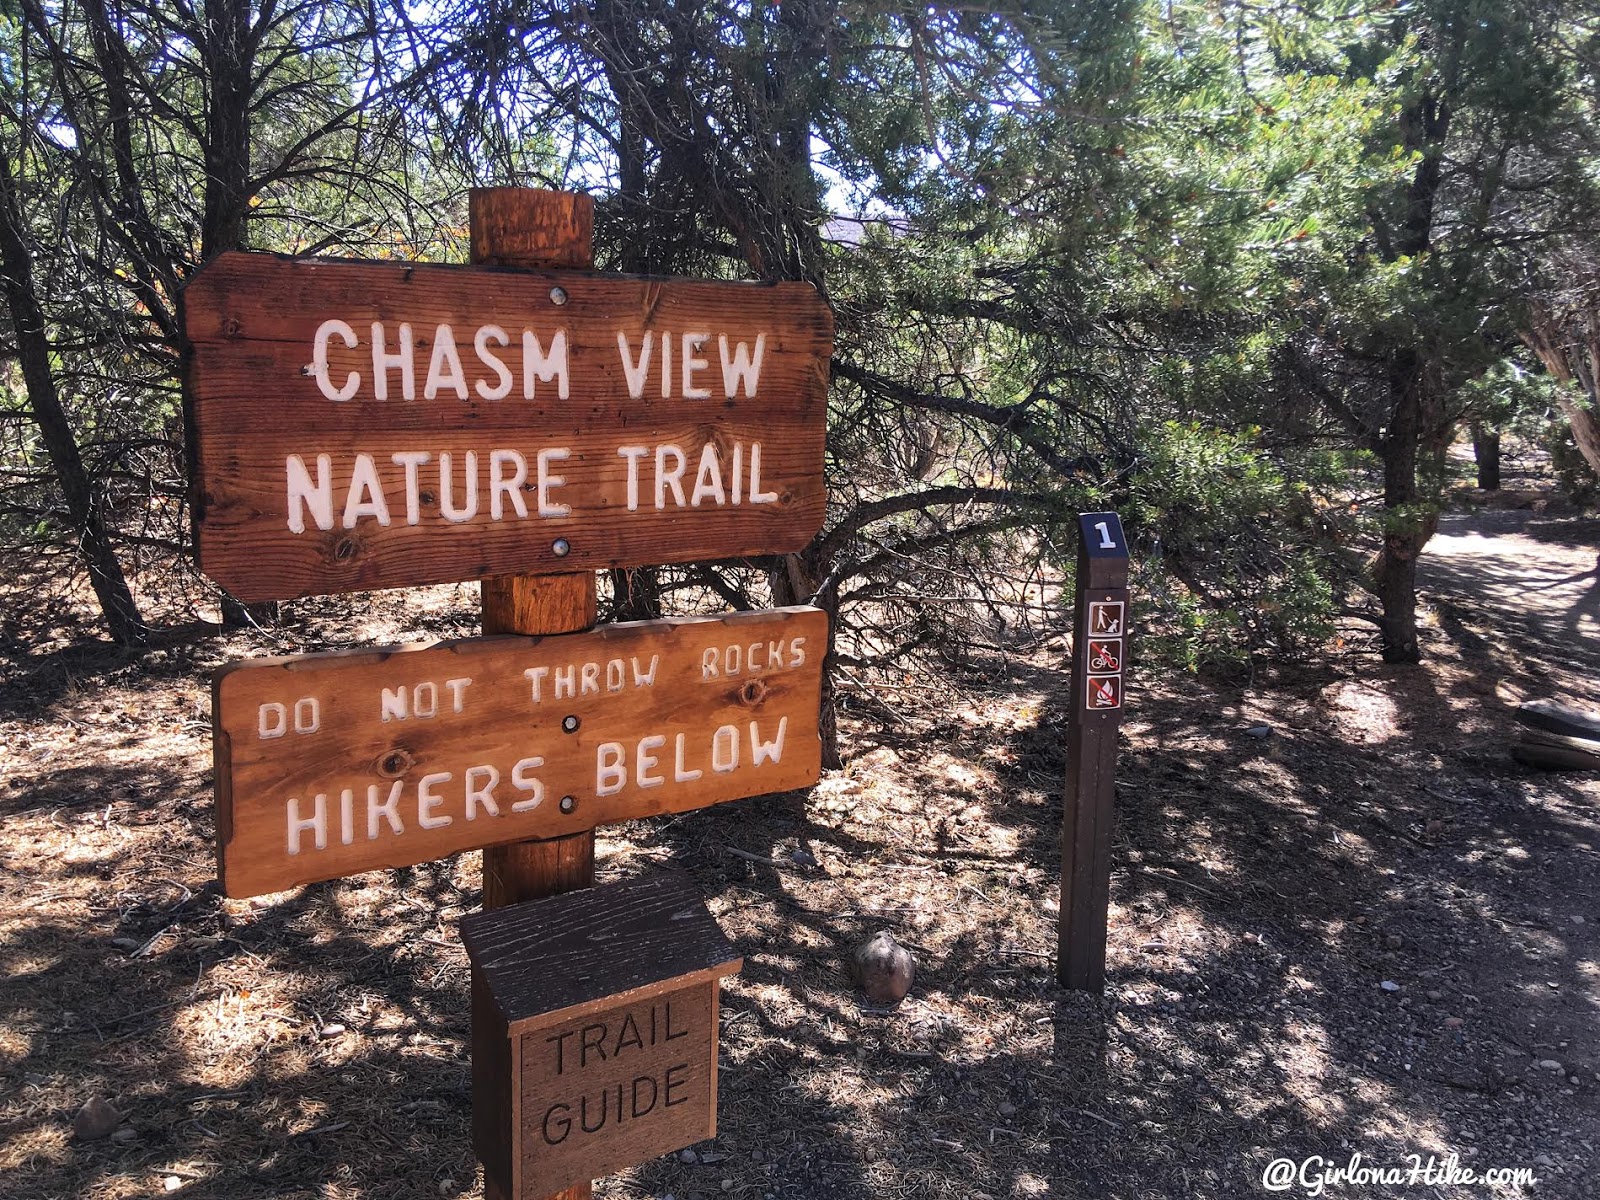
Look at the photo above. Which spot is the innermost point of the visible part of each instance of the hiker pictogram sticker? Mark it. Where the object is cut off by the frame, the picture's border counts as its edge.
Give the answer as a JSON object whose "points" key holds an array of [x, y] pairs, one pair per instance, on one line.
{"points": [[1105, 656], [1105, 617]]}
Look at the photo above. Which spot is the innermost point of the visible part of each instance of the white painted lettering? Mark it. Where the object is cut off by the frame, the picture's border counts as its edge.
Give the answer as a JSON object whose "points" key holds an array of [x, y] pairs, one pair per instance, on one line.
{"points": [[386, 810], [536, 676], [411, 460], [481, 782], [525, 782], [458, 688], [672, 478], [609, 773], [708, 480], [761, 752], [444, 366], [503, 487], [757, 496], [393, 705], [693, 363], [481, 341], [304, 496], [589, 679], [644, 762], [317, 822], [307, 715], [319, 360], [429, 801], [643, 678], [633, 454], [425, 700], [447, 504], [545, 367], [636, 372], [547, 480], [272, 720], [681, 773], [566, 682], [740, 367], [347, 816], [365, 498], [383, 360], [615, 675], [725, 749], [709, 658]]}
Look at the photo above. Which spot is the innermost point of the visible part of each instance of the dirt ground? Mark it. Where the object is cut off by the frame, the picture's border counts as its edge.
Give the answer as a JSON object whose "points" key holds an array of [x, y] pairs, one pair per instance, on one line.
{"points": [[1365, 931]]}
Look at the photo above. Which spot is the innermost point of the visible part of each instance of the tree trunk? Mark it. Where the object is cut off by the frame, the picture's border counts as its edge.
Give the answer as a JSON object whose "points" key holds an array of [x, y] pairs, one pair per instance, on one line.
{"points": [[1585, 428], [1580, 361], [122, 614], [1486, 452], [229, 53], [1408, 523]]}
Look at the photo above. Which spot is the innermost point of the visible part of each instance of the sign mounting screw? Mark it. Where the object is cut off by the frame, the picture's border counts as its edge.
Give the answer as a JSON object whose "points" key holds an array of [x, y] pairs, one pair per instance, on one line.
{"points": [[558, 296], [570, 724], [568, 803], [560, 548]]}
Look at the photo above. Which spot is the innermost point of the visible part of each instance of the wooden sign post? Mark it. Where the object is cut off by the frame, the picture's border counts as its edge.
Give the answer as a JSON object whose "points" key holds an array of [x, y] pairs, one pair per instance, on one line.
{"points": [[523, 421], [1099, 656], [594, 1032], [522, 227]]}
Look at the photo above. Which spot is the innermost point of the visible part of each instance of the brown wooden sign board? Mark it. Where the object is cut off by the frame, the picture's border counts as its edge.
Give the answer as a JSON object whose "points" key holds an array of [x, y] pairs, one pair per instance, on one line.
{"points": [[360, 425], [594, 1031], [332, 764]]}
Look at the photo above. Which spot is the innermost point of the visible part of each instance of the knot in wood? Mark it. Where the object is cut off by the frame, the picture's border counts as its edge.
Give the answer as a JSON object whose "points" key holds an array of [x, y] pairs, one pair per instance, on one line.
{"points": [[395, 764]]}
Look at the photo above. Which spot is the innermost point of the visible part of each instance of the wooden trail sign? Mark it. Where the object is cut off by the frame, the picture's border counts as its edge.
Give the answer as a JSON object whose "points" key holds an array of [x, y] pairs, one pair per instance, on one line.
{"points": [[332, 764], [361, 425], [1099, 656], [594, 1031]]}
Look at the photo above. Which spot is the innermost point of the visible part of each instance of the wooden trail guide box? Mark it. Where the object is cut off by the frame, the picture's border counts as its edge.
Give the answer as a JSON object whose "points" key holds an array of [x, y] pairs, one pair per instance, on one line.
{"points": [[594, 1031]]}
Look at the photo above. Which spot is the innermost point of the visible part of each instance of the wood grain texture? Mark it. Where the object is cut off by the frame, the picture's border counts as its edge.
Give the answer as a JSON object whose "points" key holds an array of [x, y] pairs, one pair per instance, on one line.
{"points": [[729, 706], [539, 867], [256, 400], [582, 1115], [539, 603], [545, 960], [493, 1091], [576, 996], [528, 228]]}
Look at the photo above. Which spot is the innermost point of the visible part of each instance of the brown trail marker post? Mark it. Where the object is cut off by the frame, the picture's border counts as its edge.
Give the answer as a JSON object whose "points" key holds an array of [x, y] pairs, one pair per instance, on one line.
{"points": [[1099, 655]]}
